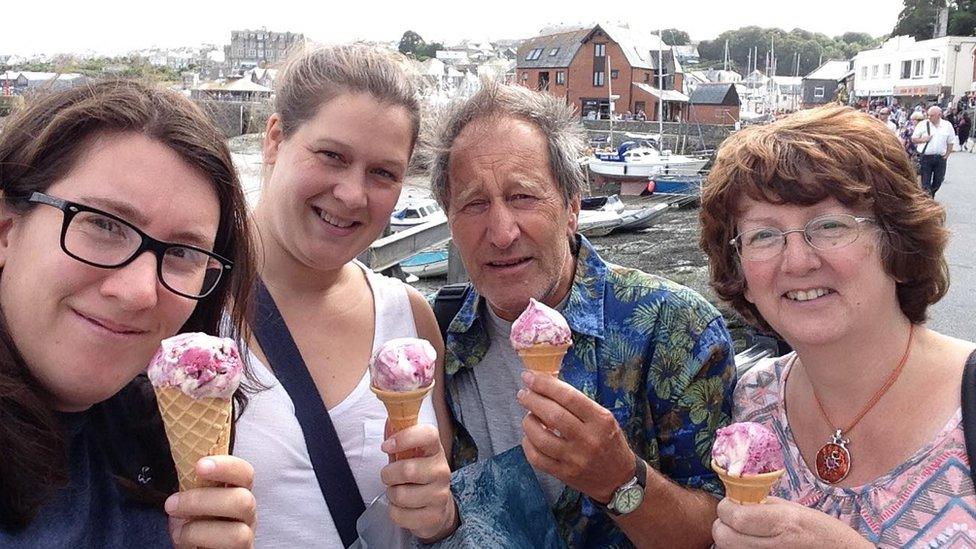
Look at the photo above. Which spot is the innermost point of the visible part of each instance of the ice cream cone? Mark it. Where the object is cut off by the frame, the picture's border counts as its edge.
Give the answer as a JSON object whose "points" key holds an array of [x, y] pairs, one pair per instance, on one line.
{"points": [[195, 428], [749, 488], [403, 409], [544, 359]]}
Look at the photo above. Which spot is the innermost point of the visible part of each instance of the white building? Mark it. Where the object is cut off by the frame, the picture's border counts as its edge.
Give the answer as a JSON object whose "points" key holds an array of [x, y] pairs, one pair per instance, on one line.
{"points": [[904, 68]]}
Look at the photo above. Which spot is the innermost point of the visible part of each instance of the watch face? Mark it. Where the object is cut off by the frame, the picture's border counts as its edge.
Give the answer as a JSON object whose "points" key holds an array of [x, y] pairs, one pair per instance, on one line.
{"points": [[629, 499]]}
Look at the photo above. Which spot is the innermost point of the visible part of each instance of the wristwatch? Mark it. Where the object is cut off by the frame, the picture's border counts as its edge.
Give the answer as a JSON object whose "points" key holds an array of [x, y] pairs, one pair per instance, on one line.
{"points": [[628, 497]]}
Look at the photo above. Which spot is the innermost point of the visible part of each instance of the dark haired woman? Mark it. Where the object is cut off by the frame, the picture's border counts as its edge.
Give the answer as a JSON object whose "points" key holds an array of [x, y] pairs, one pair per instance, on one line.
{"points": [[108, 193]]}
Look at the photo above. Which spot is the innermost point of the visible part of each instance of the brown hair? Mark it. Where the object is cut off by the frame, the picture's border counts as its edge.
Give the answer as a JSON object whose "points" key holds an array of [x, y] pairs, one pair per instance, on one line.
{"points": [[40, 145], [812, 155], [313, 76]]}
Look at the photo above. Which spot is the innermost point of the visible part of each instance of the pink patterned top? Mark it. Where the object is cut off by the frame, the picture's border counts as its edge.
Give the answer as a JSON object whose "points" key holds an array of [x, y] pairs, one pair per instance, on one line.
{"points": [[928, 501]]}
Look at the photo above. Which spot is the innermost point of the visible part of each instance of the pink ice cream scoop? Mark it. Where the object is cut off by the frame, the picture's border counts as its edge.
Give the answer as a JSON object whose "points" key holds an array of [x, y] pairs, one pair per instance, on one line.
{"points": [[403, 364], [539, 325], [747, 448], [200, 365]]}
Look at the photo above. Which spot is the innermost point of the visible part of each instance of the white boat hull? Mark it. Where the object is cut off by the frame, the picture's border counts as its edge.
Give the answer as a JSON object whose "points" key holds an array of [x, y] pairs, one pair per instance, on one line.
{"points": [[644, 170]]}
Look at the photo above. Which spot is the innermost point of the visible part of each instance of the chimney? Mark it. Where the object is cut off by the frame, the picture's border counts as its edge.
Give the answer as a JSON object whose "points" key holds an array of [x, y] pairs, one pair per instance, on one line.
{"points": [[941, 22]]}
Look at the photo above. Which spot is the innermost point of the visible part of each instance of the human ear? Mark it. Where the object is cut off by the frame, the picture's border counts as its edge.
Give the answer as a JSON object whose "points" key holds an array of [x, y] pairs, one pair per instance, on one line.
{"points": [[574, 207], [273, 136], [7, 221]]}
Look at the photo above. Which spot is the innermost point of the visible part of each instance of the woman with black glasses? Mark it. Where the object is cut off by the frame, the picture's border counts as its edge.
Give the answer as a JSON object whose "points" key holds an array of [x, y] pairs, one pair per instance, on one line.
{"points": [[815, 228], [121, 223]]}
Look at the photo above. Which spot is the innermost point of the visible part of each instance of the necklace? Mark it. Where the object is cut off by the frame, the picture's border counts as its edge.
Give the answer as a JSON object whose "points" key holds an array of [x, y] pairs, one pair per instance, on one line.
{"points": [[834, 458]]}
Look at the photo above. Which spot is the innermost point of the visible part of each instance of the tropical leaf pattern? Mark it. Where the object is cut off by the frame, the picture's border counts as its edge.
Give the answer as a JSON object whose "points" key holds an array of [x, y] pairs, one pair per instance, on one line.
{"points": [[653, 352]]}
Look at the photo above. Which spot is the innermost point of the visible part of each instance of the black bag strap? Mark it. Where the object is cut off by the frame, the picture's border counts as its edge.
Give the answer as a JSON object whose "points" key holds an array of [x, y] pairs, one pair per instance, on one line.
{"points": [[969, 412], [447, 303], [328, 458]]}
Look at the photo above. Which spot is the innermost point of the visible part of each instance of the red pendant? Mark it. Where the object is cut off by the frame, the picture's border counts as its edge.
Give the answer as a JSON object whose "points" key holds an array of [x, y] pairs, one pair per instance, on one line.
{"points": [[834, 459]]}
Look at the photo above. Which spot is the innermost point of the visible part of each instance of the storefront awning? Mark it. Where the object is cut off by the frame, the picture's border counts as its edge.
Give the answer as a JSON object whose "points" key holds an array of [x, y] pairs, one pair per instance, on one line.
{"points": [[668, 95]]}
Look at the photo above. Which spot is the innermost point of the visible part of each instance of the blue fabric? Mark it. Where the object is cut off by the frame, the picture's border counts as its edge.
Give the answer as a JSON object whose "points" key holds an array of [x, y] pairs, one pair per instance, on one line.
{"points": [[90, 511], [504, 506]]}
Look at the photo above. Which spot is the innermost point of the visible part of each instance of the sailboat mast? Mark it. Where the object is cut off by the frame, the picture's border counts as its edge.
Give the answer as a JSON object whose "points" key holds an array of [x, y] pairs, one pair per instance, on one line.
{"points": [[660, 87]]}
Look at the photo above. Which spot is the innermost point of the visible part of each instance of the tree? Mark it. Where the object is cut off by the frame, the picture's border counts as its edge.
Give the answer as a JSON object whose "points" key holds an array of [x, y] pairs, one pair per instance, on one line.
{"points": [[410, 42], [917, 19], [675, 37]]}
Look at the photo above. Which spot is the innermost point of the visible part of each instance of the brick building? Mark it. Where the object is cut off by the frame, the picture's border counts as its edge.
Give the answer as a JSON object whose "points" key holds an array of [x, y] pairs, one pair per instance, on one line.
{"points": [[259, 48], [714, 103], [590, 66]]}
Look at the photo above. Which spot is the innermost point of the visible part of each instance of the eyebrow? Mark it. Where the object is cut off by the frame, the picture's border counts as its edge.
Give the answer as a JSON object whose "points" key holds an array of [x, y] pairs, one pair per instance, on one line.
{"points": [[137, 218]]}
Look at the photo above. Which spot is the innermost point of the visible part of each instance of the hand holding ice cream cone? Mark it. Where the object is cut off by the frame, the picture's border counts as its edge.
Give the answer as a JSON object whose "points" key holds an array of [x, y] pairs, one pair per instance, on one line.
{"points": [[402, 374], [748, 459]]}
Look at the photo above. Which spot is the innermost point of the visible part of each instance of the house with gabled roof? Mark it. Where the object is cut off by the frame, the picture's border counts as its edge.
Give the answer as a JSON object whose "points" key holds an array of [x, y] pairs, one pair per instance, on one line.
{"points": [[714, 103], [604, 68]]}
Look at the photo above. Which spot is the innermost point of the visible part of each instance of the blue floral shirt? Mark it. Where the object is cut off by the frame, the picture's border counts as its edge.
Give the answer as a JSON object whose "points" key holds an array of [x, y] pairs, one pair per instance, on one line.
{"points": [[654, 353]]}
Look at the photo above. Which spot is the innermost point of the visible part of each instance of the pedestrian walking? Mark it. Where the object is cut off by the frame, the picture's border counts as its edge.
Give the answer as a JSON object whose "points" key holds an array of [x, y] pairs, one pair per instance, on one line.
{"points": [[937, 138]]}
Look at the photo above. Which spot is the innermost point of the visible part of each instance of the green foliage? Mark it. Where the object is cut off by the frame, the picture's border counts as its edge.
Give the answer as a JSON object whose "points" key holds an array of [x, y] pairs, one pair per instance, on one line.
{"points": [[126, 67], [675, 37], [917, 18], [413, 44], [812, 48]]}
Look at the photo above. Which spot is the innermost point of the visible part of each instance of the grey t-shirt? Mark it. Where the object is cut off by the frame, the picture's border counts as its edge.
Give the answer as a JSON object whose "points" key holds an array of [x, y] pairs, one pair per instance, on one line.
{"points": [[492, 385]]}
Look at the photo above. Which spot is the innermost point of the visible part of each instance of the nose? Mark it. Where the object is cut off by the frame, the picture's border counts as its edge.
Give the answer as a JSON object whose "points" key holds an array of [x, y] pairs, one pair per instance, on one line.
{"points": [[351, 191], [136, 285], [799, 257], [503, 228]]}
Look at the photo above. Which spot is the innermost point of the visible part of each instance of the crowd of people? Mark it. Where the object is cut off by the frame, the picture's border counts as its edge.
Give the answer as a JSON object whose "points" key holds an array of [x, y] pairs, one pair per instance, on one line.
{"points": [[815, 228]]}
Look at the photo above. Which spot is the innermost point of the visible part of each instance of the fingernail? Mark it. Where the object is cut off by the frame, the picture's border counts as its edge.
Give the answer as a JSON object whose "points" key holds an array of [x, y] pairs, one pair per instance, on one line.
{"points": [[527, 377], [172, 503], [521, 394], [388, 446], [206, 466]]}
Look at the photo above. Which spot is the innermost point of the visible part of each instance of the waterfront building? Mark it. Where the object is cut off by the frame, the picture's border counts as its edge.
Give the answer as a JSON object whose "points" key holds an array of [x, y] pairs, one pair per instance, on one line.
{"points": [[821, 86], [259, 48], [714, 103], [913, 71], [592, 66]]}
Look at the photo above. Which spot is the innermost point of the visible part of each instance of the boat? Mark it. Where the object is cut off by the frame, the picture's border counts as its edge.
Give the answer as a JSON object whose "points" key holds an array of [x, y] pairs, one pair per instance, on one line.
{"points": [[641, 218], [597, 222], [641, 159], [677, 184], [413, 212], [603, 202], [426, 264]]}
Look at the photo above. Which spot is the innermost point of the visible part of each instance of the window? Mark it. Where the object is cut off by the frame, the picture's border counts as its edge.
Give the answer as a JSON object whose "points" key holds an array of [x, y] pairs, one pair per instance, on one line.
{"points": [[917, 68], [534, 54], [906, 69], [553, 52], [614, 73], [864, 73], [525, 77], [934, 67], [874, 71], [886, 70], [818, 92], [599, 50], [598, 78], [647, 77], [560, 78]]}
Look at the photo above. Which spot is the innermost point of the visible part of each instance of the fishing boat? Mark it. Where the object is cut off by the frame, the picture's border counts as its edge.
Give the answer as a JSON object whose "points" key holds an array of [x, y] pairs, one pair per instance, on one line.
{"points": [[641, 159], [426, 264], [415, 212]]}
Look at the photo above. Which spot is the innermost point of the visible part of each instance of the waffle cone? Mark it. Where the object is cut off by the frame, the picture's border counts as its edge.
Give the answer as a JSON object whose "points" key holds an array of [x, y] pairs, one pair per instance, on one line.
{"points": [[544, 359], [195, 428], [403, 409], [747, 489]]}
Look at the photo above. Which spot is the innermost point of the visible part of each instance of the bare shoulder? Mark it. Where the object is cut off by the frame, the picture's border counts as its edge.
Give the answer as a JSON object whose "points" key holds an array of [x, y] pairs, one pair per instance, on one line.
{"points": [[948, 351]]}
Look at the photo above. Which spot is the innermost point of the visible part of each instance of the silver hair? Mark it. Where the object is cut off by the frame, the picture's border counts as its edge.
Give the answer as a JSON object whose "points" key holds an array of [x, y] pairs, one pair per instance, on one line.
{"points": [[314, 75], [556, 120]]}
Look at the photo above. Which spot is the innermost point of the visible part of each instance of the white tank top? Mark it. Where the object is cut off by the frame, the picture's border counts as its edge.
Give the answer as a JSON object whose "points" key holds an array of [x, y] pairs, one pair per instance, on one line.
{"points": [[291, 509]]}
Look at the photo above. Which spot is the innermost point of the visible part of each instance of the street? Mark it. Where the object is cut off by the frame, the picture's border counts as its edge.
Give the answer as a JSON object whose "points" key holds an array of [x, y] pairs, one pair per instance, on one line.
{"points": [[954, 315]]}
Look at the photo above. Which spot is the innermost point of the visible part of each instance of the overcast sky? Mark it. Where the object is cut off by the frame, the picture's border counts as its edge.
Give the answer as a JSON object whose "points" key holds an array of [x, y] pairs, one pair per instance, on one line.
{"points": [[117, 26]]}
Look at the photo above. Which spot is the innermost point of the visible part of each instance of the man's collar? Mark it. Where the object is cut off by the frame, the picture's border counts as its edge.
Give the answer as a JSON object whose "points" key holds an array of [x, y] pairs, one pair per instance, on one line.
{"points": [[584, 310]]}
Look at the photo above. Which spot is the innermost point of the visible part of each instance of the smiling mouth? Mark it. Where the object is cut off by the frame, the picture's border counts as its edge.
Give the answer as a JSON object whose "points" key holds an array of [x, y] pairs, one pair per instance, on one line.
{"points": [[111, 327], [333, 220], [504, 263], [808, 295]]}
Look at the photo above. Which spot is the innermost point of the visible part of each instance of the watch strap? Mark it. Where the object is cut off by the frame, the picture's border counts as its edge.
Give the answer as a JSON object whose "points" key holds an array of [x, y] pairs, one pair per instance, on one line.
{"points": [[640, 477]]}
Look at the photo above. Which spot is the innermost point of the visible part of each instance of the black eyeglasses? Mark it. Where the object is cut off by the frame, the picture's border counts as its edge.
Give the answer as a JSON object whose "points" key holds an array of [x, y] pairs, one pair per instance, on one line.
{"points": [[825, 233], [103, 240]]}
